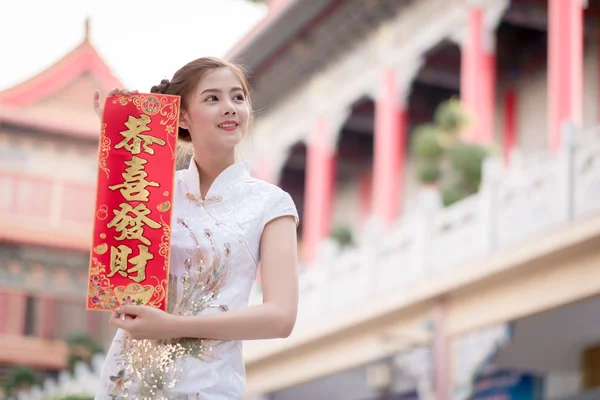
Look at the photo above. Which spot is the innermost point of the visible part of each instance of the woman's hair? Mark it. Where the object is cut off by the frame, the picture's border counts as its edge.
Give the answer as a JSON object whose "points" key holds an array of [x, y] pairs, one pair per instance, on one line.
{"points": [[186, 79]]}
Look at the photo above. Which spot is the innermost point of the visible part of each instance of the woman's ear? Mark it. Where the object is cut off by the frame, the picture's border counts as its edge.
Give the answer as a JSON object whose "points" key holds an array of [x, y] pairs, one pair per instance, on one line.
{"points": [[183, 123]]}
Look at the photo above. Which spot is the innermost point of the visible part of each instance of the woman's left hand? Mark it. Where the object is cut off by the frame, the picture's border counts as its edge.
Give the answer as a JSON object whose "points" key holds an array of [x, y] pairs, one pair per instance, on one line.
{"points": [[114, 92], [143, 322]]}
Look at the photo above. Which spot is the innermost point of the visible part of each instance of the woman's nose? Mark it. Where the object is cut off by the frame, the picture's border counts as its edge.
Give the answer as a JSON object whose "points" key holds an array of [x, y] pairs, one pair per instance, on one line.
{"points": [[229, 109]]}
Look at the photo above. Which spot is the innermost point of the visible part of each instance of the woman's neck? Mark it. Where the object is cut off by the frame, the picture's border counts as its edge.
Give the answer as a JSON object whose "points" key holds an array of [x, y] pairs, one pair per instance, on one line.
{"points": [[210, 166]]}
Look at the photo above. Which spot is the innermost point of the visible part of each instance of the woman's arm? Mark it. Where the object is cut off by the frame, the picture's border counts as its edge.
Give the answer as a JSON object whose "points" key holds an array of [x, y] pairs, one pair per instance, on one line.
{"points": [[275, 318]]}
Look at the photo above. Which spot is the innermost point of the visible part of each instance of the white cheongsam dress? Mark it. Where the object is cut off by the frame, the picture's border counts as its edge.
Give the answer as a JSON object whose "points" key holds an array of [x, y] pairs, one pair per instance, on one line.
{"points": [[214, 260]]}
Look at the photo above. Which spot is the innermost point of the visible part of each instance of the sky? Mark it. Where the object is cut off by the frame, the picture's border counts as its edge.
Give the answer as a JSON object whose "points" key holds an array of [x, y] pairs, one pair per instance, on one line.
{"points": [[142, 41]]}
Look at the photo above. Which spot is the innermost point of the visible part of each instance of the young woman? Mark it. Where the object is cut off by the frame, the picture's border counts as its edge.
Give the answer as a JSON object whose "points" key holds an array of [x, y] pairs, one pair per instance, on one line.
{"points": [[225, 223]]}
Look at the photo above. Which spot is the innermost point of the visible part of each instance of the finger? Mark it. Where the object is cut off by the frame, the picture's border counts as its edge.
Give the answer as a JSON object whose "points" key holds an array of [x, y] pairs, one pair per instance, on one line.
{"points": [[116, 315], [134, 92], [120, 323], [113, 92], [130, 310]]}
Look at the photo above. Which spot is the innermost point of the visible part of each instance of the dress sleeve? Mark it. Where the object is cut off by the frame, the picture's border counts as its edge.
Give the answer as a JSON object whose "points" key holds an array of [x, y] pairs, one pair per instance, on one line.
{"points": [[282, 205]]}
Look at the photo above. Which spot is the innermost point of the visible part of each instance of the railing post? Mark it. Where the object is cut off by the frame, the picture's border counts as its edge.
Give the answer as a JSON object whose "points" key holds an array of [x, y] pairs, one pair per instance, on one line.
{"points": [[429, 206], [488, 199], [567, 167], [370, 252]]}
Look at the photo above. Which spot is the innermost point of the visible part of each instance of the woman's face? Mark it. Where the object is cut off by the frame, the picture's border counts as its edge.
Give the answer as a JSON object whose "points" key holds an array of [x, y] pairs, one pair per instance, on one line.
{"points": [[217, 112]]}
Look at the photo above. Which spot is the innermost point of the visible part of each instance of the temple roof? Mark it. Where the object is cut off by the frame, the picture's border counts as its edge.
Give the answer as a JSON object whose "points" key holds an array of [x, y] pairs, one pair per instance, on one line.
{"points": [[285, 20], [302, 40], [59, 99]]}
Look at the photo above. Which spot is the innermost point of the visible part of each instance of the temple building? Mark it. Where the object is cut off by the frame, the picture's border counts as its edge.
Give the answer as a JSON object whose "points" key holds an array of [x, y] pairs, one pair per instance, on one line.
{"points": [[48, 162], [408, 291]]}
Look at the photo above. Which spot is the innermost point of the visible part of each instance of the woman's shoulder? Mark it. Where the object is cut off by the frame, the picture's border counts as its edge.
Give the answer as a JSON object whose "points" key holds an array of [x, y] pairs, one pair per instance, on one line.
{"points": [[275, 200], [264, 188]]}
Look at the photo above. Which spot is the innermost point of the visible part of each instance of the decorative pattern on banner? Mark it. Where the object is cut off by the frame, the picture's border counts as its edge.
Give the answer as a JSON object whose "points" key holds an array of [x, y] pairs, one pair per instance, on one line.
{"points": [[132, 228]]}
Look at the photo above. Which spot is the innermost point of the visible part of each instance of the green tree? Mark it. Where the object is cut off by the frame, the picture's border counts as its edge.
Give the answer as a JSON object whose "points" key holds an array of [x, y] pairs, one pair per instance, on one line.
{"points": [[444, 157], [81, 348], [19, 378], [342, 235]]}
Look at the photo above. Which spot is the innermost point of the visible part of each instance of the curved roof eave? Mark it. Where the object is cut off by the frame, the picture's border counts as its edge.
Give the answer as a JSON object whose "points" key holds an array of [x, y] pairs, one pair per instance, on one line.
{"points": [[285, 21]]}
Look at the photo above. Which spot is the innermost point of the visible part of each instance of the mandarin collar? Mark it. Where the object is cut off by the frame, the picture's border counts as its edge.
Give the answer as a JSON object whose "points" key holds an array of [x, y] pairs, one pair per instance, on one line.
{"points": [[233, 173]]}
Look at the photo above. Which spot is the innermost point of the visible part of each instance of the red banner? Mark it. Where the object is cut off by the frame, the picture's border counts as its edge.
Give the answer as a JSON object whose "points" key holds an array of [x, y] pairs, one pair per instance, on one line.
{"points": [[129, 262]]}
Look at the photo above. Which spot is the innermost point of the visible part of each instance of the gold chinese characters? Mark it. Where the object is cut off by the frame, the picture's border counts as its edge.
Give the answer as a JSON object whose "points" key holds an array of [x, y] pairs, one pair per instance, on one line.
{"points": [[131, 219]]}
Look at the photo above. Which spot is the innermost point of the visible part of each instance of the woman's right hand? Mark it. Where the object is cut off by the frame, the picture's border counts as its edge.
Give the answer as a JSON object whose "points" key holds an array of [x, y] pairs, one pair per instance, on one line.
{"points": [[114, 92]]}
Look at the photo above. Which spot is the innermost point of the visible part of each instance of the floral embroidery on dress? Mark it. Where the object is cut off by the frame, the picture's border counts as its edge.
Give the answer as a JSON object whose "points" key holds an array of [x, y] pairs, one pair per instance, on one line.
{"points": [[235, 211], [116, 384], [153, 367], [202, 284]]}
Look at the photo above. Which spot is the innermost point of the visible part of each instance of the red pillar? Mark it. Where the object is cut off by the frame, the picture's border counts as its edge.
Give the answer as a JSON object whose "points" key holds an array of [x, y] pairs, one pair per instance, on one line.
{"points": [[17, 309], [509, 133], [478, 78], [488, 106], [389, 149], [319, 188], [441, 352], [565, 66], [45, 327], [4, 298]]}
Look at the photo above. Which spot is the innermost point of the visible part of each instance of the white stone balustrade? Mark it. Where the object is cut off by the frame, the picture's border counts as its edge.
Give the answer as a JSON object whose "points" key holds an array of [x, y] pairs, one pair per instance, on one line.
{"points": [[84, 381], [586, 174], [537, 194], [400, 246]]}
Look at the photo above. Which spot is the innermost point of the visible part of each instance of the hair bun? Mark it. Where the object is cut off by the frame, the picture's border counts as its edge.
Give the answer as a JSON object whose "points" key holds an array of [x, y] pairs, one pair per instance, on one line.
{"points": [[162, 88]]}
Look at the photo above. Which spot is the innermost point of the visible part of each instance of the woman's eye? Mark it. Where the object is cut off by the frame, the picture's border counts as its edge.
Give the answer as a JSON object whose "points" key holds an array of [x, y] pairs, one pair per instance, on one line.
{"points": [[211, 98], [239, 97]]}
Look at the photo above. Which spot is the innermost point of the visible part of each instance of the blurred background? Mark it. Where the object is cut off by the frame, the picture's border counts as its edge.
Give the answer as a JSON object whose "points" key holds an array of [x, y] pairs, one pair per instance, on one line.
{"points": [[444, 156]]}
